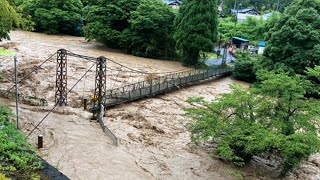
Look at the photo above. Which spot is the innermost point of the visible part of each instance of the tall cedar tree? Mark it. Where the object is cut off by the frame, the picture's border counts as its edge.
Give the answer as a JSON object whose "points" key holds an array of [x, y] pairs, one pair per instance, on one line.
{"points": [[196, 29], [151, 31], [294, 41]]}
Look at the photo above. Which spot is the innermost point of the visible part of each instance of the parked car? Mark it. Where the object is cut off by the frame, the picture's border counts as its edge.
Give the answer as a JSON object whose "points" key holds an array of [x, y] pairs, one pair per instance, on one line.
{"points": [[253, 49]]}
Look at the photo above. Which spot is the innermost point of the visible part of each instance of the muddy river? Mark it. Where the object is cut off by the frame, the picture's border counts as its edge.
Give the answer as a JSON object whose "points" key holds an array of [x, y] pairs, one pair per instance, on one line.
{"points": [[154, 142]]}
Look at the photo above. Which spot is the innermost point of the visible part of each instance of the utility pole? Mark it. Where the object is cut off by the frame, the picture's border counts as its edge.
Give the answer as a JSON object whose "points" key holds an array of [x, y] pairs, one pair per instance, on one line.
{"points": [[17, 93], [235, 6]]}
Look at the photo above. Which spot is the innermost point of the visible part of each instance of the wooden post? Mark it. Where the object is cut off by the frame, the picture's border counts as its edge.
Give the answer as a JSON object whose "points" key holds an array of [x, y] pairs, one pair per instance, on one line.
{"points": [[151, 87], [85, 104], [40, 141]]}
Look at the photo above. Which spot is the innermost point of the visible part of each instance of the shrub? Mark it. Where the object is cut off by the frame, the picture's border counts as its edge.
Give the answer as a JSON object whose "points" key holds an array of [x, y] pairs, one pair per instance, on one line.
{"points": [[244, 69], [16, 155]]}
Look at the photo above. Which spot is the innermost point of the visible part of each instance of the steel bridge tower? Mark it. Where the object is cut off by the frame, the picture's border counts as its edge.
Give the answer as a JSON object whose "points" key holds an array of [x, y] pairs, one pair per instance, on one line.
{"points": [[61, 78], [100, 86]]}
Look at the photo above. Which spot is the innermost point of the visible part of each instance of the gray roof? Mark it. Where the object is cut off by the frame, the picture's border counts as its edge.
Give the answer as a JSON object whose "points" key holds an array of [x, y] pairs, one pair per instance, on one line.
{"points": [[172, 1], [243, 10]]}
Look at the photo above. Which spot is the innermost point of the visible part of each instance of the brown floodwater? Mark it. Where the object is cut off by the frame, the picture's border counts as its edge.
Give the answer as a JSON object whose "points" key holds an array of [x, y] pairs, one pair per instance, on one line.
{"points": [[154, 142]]}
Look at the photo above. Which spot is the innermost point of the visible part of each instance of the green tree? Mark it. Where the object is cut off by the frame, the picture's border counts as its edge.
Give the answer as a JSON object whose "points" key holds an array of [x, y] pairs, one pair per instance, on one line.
{"points": [[55, 16], [294, 41], [252, 29], [261, 5], [314, 76], [244, 68], [196, 29], [107, 20], [274, 117], [8, 18], [151, 31]]}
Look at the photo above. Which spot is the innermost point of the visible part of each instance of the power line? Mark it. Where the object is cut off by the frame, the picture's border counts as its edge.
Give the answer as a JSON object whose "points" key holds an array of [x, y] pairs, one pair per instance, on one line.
{"points": [[58, 103]]}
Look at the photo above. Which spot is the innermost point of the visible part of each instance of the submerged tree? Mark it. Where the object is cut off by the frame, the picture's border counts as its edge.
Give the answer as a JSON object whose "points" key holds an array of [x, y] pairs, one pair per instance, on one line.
{"points": [[8, 18], [196, 29]]}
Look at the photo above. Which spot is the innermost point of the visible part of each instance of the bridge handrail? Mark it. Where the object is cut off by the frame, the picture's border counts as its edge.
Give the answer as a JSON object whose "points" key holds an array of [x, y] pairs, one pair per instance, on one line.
{"points": [[157, 80]]}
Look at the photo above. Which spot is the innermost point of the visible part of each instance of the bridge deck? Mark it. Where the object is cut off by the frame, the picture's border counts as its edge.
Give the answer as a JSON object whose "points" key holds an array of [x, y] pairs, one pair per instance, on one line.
{"points": [[161, 84]]}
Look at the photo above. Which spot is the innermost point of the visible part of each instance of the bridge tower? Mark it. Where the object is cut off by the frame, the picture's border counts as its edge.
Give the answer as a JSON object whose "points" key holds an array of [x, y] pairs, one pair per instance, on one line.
{"points": [[61, 78], [100, 86]]}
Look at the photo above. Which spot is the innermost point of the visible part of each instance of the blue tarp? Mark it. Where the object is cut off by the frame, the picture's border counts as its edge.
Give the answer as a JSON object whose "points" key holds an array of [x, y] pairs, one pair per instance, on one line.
{"points": [[241, 39], [262, 44]]}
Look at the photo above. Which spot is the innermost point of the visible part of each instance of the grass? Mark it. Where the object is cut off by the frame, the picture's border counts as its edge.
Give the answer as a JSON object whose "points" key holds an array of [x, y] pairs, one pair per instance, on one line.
{"points": [[17, 158], [4, 52], [210, 55]]}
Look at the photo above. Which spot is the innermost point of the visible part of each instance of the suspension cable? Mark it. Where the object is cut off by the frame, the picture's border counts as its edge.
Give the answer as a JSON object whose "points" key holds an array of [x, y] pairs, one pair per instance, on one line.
{"points": [[29, 74], [57, 103], [131, 70]]}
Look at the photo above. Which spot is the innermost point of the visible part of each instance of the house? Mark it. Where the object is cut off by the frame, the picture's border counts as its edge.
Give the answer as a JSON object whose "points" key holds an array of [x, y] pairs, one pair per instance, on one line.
{"points": [[261, 47], [243, 14], [175, 4], [240, 42], [250, 11], [266, 16]]}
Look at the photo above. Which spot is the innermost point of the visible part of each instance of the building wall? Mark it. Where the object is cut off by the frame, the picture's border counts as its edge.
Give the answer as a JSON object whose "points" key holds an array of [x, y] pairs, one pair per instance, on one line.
{"points": [[243, 17], [261, 50]]}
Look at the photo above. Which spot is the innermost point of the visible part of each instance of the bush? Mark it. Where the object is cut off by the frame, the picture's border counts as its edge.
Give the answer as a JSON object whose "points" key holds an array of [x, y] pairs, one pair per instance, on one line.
{"points": [[17, 157], [244, 69], [56, 16], [274, 117], [314, 76]]}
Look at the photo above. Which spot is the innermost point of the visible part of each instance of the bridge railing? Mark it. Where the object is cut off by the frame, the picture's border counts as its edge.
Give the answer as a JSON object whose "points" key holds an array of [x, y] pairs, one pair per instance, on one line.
{"points": [[160, 84]]}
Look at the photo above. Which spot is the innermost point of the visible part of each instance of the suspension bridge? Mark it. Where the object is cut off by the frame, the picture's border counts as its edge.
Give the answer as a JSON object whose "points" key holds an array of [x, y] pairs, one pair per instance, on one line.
{"points": [[109, 91]]}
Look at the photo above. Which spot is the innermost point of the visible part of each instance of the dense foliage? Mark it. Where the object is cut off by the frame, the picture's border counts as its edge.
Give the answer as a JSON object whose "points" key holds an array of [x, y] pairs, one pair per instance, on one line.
{"points": [[196, 29], [244, 68], [55, 16], [294, 41], [274, 117], [17, 158], [8, 18], [261, 5], [151, 31], [107, 20], [253, 29]]}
